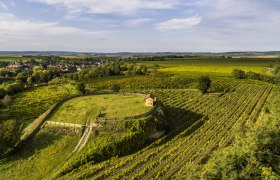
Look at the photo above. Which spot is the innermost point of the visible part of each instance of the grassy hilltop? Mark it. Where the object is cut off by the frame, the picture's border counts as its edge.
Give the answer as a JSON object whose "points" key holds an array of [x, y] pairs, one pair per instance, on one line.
{"points": [[81, 109]]}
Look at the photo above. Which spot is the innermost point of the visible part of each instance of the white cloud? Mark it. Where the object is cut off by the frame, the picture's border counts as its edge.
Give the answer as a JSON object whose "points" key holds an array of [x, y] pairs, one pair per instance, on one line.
{"points": [[178, 24], [124, 7], [137, 22], [12, 24], [24, 34]]}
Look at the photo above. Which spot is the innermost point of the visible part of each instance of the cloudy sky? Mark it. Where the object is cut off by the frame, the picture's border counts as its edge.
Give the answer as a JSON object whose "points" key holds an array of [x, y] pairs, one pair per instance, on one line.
{"points": [[140, 25]]}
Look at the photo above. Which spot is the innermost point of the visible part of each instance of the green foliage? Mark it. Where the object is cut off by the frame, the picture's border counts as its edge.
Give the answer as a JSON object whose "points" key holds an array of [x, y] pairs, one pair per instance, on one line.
{"points": [[134, 83], [108, 69], [238, 74], [8, 135], [204, 84], [115, 88], [14, 88], [81, 87]]}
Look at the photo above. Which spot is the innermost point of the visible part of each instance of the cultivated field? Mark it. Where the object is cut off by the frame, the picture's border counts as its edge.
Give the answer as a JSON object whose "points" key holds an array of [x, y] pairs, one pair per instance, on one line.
{"points": [[213, 66]]}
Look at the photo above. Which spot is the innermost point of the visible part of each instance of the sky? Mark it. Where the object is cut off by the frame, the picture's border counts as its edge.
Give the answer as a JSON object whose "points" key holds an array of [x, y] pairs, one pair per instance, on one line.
{"points": [[140, 25]]}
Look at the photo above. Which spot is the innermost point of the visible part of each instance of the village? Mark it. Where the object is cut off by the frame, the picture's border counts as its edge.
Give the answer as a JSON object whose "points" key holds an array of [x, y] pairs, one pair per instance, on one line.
{"points": [[70, 66]]}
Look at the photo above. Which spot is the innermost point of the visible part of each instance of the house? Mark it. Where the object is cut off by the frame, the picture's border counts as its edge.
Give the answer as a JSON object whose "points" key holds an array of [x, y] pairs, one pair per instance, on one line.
{"points": [[150, 100]]}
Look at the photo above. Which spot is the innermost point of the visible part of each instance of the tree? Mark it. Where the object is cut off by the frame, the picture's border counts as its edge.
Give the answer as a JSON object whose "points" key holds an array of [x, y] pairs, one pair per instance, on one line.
{"points": [[204, 84], [116, 88], [238, 74], [81, 87]]}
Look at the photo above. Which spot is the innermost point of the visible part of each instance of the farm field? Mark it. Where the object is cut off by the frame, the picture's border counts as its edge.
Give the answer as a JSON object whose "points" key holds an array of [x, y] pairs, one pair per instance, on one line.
{"points": [[212, 66]]}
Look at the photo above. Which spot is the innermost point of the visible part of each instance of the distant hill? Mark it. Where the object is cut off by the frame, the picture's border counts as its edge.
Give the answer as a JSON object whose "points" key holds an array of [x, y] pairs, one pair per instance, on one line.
{"points": [[237, 53]]}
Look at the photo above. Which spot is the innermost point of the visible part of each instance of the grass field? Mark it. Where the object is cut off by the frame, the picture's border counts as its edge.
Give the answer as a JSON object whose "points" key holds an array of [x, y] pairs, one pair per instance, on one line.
{"points": [[12, 58], [212, 66], [81, 109]]}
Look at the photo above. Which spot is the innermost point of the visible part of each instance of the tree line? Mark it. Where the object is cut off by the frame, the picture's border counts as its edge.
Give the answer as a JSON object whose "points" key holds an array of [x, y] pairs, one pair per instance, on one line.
{"points": [[240, 74]]}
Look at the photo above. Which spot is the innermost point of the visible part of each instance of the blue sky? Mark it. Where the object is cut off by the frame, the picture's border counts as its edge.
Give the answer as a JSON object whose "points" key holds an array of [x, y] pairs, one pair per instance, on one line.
{"points": [[140, 25]]}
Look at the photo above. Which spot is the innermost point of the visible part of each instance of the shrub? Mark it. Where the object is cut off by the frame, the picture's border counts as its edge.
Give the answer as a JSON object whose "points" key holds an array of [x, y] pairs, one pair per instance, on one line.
{"points": [[81, 87], [238, 74], [14, 88], [116, 88], [204, 84]]}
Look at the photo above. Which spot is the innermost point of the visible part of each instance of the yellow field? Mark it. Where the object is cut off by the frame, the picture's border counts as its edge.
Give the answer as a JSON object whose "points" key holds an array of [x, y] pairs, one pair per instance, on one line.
{"points": [[218, 66], [182, 69]]}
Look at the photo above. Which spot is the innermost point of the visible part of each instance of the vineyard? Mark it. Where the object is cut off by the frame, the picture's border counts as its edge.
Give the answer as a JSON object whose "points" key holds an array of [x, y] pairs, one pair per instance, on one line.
{"points": [[28, 105], [198, 124], [201, 124]]}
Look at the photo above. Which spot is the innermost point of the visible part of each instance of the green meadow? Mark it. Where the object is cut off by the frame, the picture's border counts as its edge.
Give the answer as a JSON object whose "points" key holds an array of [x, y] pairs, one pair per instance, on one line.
{"points": [[83, 109], [12, 58]]}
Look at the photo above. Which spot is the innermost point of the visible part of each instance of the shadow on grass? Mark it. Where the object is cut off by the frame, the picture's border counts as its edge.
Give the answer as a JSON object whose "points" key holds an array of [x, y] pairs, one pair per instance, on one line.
{"points": [[41, 141]]}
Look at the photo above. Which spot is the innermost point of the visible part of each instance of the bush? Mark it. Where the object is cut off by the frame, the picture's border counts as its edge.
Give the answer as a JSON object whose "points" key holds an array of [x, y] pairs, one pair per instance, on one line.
{"points": [[14, 88], [238, 74], [81, 87], [204, 84], [116, 88], [253, 75]]}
